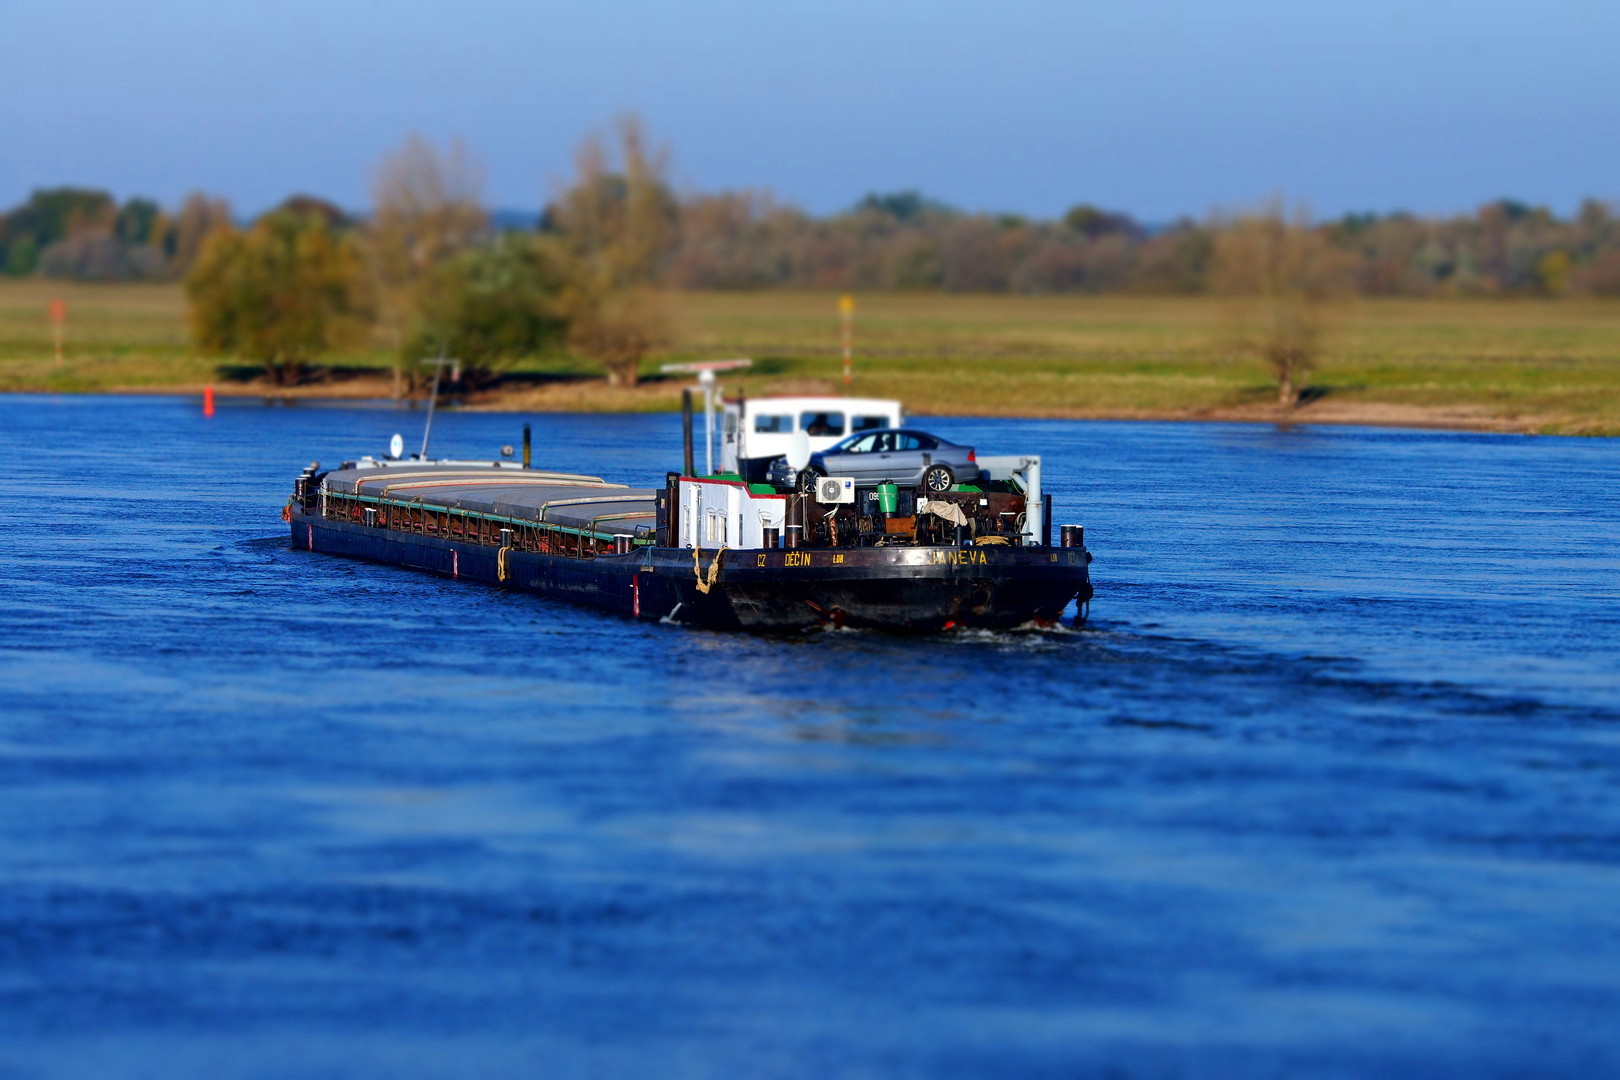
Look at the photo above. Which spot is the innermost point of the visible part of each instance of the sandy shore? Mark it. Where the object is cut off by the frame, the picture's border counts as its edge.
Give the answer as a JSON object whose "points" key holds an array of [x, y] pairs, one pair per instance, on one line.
{"points": [[662, 396]]}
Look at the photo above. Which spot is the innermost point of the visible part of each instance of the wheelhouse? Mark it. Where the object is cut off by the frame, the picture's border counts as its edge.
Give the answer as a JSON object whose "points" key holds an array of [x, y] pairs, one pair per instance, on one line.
{"points": [[755, 431]]}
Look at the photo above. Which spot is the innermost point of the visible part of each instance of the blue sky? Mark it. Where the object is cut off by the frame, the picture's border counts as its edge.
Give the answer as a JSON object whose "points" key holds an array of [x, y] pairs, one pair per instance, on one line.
{"points": [[1155, 107]]}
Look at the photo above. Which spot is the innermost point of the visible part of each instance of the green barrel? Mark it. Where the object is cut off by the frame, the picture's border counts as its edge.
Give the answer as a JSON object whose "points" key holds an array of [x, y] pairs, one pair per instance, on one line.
{"points": [[888, 497]]}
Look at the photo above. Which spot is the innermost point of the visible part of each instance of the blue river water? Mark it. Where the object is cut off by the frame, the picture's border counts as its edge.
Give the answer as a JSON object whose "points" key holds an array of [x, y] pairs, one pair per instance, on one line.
{"points": [[1329, 784]]}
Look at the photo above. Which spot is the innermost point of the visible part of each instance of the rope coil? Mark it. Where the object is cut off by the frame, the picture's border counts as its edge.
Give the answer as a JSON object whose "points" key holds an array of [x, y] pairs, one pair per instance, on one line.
{"points": [[714, 570], [501, 571]]}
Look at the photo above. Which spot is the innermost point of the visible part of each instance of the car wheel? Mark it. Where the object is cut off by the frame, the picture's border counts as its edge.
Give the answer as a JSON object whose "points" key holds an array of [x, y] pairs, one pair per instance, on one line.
{"points": [[938, 479], [808, 478]]}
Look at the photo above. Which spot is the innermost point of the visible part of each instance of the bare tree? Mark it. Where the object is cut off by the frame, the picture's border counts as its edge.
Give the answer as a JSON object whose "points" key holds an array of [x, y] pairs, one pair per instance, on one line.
{"points": [[428, 208], [199, 218], [1282, 271], [617, 220], [427, 205]]}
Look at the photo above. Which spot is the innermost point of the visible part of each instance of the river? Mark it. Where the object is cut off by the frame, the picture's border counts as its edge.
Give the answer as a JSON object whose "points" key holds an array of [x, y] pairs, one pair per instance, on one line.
{"points": [[1327, 785]]}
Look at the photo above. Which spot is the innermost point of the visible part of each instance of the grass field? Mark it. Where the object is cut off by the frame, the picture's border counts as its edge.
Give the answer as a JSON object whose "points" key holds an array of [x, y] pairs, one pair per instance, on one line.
{"points": [[1527, 365]]}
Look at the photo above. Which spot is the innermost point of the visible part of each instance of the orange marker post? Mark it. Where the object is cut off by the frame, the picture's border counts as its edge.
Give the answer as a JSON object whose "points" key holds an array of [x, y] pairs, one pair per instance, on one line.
{"points": [[58, 317], [846, 309], [208, 401]]}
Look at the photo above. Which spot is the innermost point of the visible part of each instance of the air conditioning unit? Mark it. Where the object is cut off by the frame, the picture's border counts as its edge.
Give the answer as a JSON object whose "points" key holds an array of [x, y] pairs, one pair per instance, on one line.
{"points": [[835, 489]]}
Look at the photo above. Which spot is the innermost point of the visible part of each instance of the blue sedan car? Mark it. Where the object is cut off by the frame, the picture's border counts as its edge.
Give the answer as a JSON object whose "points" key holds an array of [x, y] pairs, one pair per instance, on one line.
{"points": [[904, 457]]}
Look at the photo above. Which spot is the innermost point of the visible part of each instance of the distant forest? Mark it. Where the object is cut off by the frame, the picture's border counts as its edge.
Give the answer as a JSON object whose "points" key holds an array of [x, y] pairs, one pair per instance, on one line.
{"points": [[905, 241]]}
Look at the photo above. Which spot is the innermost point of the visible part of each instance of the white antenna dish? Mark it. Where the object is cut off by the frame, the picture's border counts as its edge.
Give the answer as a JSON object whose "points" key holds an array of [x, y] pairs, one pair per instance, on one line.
{"points": [[396, 446], [798, 453]]}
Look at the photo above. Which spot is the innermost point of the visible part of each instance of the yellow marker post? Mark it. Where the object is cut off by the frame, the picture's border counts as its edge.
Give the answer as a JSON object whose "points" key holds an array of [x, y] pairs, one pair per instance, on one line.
{"points": [[846, 308]]}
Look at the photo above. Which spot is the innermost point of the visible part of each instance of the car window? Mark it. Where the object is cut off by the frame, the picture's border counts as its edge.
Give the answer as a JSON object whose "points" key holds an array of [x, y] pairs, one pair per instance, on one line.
{"points": [[909, 441], [883, 442], [859, 444], [773, 425], [822, 423], [867, 423]]}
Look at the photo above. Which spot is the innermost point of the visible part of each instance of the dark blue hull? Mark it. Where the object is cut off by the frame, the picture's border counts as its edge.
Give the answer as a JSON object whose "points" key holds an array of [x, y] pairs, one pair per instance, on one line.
{"points": [[894, 588]]}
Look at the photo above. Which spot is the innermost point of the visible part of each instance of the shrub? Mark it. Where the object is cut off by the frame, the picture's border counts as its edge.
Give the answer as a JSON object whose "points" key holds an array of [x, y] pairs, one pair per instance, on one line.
{"points": [[281, 293]]}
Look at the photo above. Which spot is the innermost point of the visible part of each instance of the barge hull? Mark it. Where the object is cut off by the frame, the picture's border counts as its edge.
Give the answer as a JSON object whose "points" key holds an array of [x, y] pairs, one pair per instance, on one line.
{"points": [[893, 588]]}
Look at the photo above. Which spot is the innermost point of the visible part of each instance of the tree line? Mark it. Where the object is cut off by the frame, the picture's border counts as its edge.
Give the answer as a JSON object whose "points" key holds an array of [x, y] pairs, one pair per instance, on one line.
{"points": [[426, 272], [84, 234], [897, 241]]}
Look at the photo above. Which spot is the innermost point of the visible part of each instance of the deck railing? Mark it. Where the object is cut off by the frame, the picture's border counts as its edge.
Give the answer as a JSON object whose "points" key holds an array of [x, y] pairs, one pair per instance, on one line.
{"points": [[472, 526]]}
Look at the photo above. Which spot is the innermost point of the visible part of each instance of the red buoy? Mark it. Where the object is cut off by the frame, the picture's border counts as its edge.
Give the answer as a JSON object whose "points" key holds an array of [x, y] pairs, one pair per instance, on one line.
{"points": [[208, 401]]}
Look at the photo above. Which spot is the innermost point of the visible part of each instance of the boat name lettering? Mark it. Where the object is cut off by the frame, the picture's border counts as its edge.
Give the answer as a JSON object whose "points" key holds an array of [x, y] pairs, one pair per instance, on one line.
{"points": [[796, 558], [965, 557]]}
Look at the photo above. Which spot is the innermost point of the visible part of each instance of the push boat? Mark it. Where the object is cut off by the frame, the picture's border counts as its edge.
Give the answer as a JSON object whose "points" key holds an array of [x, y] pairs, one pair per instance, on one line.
{"points": [[712, 550]]}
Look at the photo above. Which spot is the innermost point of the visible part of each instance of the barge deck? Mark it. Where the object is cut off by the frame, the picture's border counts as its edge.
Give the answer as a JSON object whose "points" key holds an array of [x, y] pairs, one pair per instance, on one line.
{"points": [[702, 551]]}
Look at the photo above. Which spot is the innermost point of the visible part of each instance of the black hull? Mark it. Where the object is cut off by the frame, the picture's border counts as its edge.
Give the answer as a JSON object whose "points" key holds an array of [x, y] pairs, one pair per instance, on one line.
{"points": [[891, 588]]}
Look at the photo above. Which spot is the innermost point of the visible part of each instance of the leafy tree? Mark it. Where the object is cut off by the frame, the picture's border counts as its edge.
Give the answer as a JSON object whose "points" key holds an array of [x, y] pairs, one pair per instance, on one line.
{"points": [[21, 256], [1090, 222], [324, 209], [281, 293], [136, 221], [487, 306], [904, 206]]}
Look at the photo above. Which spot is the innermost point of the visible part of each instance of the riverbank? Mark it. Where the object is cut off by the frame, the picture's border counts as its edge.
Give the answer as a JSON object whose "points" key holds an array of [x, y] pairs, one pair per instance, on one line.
{"points": [[1503, 365]]}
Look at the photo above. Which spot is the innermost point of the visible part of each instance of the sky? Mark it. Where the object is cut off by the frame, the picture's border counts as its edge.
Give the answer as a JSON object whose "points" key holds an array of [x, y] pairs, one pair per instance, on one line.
{"points": [[1159, 108]]}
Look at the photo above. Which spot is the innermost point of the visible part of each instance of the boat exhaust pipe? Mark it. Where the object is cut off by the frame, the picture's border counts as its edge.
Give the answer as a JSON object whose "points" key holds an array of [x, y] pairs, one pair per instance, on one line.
{"points": [[793, 523], [525, 446], [686, 432]]}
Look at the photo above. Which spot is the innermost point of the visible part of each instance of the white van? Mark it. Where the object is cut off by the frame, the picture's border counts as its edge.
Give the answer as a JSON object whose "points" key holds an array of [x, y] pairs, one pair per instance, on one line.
{"points": [[755, 431]]}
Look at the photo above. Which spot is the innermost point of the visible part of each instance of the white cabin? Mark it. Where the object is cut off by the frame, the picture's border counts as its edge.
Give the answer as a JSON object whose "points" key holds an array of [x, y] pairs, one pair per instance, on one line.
{"points": [[755, 431]]}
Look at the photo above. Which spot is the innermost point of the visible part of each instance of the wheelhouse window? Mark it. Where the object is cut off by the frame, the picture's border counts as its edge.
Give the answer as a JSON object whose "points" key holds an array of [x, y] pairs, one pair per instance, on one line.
{"points": [[773, 425], [867, 423], [822, 423]]}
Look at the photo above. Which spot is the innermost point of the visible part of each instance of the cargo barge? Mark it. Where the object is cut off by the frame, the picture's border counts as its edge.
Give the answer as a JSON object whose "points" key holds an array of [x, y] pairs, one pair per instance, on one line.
{"points": [[711, 550]]}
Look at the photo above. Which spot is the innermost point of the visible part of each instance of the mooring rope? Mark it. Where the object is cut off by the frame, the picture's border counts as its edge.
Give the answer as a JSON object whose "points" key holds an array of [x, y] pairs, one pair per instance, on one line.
{"points": [[500, 563], [714, 570]]}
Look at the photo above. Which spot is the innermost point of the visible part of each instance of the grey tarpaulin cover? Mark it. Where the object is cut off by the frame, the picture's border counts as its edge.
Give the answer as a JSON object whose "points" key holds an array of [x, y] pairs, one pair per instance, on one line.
{"points": [[581, 502]]}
